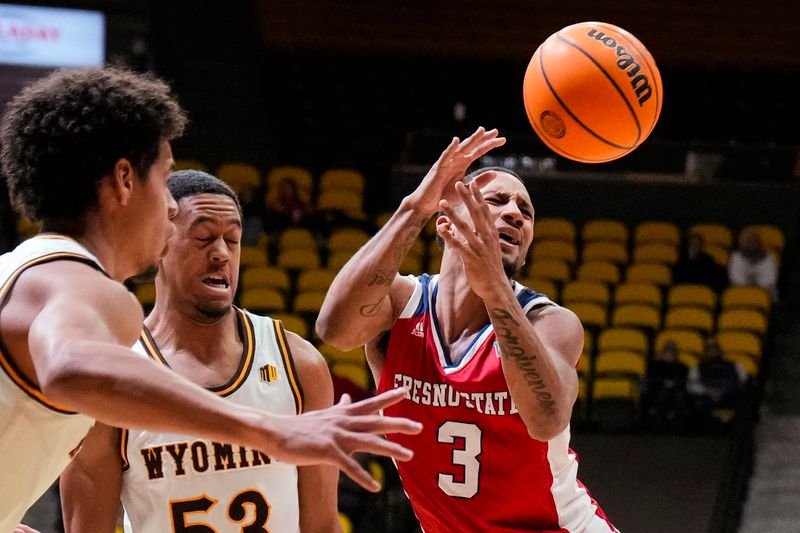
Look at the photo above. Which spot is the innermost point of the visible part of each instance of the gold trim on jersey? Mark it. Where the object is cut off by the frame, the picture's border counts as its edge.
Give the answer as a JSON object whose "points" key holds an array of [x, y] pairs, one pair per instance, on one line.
{"points": [[123, 449], [245, 364], [6, 363], [288, 363]]}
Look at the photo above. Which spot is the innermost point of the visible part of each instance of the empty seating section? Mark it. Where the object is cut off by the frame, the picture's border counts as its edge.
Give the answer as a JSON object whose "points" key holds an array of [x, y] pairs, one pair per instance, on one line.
{"points": [[617, 278]]}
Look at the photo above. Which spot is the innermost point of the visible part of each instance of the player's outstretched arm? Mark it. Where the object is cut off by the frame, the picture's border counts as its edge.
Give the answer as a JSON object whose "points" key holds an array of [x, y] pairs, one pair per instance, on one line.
{"points": [[91, 483], [538, 353], [367, 295], [318, 484], [76, 344]]}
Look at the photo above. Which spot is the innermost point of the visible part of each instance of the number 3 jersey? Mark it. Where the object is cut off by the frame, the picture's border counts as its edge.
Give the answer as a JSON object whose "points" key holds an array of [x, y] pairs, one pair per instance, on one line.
{"points": [[172, 482], [475, 467]]}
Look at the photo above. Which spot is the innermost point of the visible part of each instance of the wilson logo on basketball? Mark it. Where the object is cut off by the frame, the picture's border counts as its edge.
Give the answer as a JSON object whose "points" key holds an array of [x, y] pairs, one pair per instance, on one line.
{"points": [[553, 125], [626, 63]]}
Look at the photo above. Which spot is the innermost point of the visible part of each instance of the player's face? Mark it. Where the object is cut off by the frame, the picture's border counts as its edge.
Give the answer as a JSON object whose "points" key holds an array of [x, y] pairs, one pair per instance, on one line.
{"points": [[156, 207], [201, 267], [512, 210]]}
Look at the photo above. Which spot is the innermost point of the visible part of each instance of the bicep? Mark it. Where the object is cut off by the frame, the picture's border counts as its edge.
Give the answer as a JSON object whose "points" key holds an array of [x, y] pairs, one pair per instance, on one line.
{"points": [[91, 483], [560, 332]]}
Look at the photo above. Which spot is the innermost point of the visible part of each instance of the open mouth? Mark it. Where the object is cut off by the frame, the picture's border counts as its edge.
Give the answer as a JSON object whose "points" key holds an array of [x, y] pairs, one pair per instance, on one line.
{"points": [[217, 282], [506, 237]]}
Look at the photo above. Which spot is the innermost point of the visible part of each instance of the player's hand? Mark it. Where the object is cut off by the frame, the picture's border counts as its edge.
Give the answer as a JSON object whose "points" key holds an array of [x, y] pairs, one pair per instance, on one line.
{"points": [[451, 167], [332, 435], [22, 528], [474, 239]]}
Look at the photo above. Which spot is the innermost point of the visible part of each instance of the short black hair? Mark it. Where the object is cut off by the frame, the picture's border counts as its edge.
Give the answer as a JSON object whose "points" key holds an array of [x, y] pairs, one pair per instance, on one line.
{"points": [[63, 133], [477, 172], [185, 183]]}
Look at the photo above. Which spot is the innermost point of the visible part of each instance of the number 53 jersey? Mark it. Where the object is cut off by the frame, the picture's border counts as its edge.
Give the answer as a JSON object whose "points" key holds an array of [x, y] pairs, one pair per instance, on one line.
{"points": [[475, 467], [181, 484]]}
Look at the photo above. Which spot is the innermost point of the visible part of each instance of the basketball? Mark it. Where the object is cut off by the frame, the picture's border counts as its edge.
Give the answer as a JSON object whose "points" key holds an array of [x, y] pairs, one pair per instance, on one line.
{"points": [[592, 92]]}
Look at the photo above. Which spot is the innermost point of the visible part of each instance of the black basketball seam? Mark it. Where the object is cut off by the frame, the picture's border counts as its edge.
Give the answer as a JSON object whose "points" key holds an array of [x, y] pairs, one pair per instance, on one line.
{"points": [[544, 138], [614, 84], [652, 68]]}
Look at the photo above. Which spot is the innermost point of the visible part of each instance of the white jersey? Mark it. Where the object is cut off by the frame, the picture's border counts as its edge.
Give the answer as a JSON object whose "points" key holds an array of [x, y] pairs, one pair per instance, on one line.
{"points": [[37, 436], [171, 482]]}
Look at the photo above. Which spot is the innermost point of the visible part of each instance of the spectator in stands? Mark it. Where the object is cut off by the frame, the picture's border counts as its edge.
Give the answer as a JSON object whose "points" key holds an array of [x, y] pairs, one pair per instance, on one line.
{"points": [[287, 208], [696, 266], [716, 384], [751, 264], [664, 397]]}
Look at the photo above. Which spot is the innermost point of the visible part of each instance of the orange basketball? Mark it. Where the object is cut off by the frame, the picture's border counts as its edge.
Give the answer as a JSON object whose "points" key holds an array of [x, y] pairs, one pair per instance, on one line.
{"points": [[592, 92]]}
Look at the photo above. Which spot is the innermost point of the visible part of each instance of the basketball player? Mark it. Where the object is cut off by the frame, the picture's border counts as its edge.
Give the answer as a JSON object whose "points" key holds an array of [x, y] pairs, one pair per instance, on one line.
{"points": [[247, 359], [489, 364], [87, 153]]}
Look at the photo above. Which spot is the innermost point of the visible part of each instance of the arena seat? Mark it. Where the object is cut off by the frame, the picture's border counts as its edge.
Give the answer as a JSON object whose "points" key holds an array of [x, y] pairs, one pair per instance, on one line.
{"points": [[657, 232], [585, 291], [344, 179], [614, 252], [742, 320], [740, 342], [638, 293], [636, 315], [713, 234], [619, 363], [690, 294], [298, 259], [265, 276], [651, 273], [239, 175], [262, 300], [552, 228], [293, 323], [602, 271], [687, 340], [552, 269], [655, 252], [308, 302], [300, 176], [619, 338], [590, 314], [604, 230], [689, 318], [548, 249], [746, 297], [250, 256]]}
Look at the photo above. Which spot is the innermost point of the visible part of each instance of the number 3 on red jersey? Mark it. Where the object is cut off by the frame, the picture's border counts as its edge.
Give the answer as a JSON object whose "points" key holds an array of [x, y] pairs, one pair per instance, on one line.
{"points": [[466, 457]]}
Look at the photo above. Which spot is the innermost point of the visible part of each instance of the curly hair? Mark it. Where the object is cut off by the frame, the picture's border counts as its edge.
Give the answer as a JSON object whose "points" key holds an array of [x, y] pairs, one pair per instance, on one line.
{"points": [[62, 134]]}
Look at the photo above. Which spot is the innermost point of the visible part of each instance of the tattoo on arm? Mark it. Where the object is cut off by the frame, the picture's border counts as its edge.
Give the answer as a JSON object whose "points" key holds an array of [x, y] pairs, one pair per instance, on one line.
{"points": [[525, 362], [370, 310], [382, 277]]}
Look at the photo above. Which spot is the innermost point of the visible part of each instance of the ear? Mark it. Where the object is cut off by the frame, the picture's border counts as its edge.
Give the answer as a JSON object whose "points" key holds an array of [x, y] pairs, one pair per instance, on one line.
{"points": [[122, 181]]}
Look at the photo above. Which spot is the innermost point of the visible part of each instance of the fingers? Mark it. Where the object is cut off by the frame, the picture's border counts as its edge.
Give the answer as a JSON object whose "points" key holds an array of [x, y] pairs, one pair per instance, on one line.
{"points": [[377, 403], [356, 472], [467, 231], [383, 425], [478, 210], [449, 151], [375, 445]]}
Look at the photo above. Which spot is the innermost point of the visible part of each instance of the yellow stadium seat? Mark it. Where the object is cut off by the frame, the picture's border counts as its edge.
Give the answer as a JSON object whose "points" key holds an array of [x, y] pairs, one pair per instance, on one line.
{"points": [[355, 373], [741, 342], [564, 250], [590, 314], [264, 276], [542, 285], [190, 164], [411, 264], [771, 236], [619, 363], [551, 228], [315, 279], [627, 339], [552, 269], [588, 342], [294, 238], [347, 240], [746, 297], [649, 273], [744, 360], [300, 176], [690, 294], [308, 301], [713, 234], [655, 231], [585, 291], [638, 293], [338, 259], [251, 256], [345, 201], [585, 364], [687, 340], [262, 300], [615, 388], [293, 323], [655, 252], [689, 318], [614, 252], [742, 319], [27, 228], [689, 359], [604, 230], [720, 254], [239, 175], [298, 259], [345, 179], [599, 271], [345, 523], [146, 293], [334, 355], [435, 264], [636, 315]]}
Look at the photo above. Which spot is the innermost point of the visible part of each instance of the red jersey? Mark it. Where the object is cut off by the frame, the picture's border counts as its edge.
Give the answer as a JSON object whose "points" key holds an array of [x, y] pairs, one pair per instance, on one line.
{"points": [[475, 467]]}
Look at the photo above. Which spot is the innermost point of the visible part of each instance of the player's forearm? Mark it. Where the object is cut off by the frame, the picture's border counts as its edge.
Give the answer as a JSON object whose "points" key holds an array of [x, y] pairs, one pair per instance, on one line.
{"points": [[539, 392], [123, 390], [354, 309]]}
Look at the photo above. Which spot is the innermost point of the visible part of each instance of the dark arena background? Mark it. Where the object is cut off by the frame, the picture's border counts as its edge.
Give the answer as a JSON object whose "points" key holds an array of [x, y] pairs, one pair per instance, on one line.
{"points": [[353, 100]]}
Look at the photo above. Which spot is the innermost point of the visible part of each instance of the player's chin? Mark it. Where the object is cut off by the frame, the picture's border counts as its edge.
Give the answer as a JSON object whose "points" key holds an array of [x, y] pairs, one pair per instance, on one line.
{"points": [[511, 266], [215, 309]]}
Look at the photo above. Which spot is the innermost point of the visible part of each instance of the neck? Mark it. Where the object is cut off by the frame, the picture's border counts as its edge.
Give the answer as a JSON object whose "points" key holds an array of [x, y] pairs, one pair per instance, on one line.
{"points": [[459, 310], [206, 341]]}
